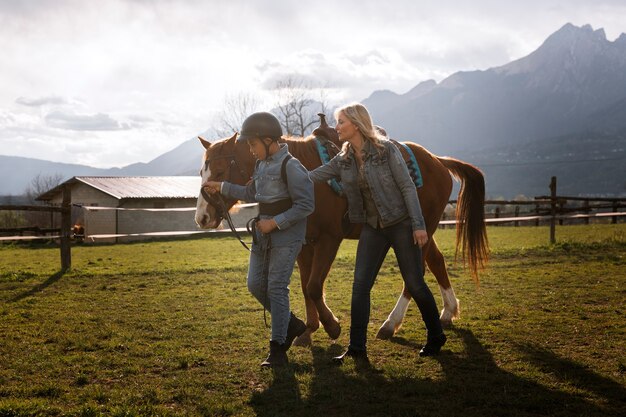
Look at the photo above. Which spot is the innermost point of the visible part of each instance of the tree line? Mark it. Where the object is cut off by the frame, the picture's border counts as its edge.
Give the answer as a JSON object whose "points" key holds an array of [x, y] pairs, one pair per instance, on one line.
{"points": [[38, 185]]}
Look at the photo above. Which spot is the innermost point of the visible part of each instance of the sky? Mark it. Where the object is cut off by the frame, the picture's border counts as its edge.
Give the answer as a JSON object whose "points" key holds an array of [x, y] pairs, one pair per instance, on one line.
{"points": [[110, 83]]}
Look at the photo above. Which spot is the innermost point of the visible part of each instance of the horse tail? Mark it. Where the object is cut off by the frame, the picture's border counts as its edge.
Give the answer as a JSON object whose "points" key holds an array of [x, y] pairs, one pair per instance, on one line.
{"points": [[471, 232]]}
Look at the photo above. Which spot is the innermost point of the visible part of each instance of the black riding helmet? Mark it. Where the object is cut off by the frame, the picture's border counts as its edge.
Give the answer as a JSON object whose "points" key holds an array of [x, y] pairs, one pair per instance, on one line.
{"points": [[260, 125]]}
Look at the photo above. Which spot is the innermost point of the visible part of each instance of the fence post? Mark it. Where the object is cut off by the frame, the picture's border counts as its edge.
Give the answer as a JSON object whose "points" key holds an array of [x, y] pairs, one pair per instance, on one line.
{"points": [[553, 210], [586, 210], [537, 213], [66, 224], [516, 224], [614, 218]]}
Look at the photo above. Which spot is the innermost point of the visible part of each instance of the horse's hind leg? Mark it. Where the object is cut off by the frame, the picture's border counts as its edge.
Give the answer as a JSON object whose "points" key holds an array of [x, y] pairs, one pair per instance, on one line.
{"points": [[324, 254], [437, 265], [305, 261]]}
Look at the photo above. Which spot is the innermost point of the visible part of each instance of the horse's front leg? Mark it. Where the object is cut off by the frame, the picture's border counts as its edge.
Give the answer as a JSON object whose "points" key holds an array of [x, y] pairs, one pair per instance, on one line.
{"points": [[324, 254], [305, 261], [394, 321]]}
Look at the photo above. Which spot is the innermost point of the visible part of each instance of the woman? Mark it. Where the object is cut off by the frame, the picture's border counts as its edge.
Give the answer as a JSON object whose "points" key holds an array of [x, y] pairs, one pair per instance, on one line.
{"points": [[280, 228], [382, 196]]}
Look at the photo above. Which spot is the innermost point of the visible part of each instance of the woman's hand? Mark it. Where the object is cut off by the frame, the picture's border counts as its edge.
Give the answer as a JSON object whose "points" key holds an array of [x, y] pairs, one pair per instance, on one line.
{"points": [[212, 187], [266, 225], [420, 237]]}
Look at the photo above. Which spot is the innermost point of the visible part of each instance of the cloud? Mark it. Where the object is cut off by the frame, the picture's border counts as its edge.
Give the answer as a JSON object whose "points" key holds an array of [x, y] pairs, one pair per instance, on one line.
{"points": [[357, 74], [136, 121], [42, 101], [71, 121]]}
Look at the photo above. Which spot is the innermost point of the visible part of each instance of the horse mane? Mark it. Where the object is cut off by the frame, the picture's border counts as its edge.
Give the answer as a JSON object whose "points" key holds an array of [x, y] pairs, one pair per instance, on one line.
{"points": [[304, 149]]}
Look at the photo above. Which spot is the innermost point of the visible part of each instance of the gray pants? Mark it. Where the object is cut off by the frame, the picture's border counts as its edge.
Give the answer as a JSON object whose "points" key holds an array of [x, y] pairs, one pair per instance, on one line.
{"points": [[273, 291]]}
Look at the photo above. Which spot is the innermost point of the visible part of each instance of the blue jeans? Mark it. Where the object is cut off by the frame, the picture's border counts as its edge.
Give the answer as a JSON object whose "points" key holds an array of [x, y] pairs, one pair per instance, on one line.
{"points": [[273, 291], [371, 251]]}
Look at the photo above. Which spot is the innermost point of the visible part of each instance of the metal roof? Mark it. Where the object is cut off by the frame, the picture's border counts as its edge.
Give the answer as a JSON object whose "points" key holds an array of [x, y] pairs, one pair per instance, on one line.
{"points": [[135, 187]]}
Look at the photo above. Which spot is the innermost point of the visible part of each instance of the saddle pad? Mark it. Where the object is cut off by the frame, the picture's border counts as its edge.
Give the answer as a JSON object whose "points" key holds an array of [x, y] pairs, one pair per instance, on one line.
{"points": [[411, 163], [327, 150]]}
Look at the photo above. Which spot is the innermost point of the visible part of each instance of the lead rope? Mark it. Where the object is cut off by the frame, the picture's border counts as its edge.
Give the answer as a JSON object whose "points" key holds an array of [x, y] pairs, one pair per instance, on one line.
{"points": [[251, 228], [231, 225], [266, 275]]}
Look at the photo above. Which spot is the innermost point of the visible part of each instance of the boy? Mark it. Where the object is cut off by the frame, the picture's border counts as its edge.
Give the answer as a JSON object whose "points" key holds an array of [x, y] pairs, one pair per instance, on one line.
{"points": [[280, 228]]}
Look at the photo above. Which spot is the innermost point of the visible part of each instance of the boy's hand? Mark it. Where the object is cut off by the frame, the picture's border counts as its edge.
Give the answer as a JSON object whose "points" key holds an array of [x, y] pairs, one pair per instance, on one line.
{"points": [[212, 187], [266, 225]]}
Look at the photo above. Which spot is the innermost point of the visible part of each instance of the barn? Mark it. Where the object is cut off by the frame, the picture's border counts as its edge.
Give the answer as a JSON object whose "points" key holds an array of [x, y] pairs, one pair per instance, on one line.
{"points": [[126, 205], [143, 207]]}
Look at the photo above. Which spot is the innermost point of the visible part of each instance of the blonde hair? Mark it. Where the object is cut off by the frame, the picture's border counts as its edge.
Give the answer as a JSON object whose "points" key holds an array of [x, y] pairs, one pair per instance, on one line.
{"points": [[360, 117]]}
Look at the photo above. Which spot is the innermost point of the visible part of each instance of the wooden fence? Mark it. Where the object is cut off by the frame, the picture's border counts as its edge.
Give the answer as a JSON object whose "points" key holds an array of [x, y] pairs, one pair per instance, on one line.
{"points": [[543, 209], [63, 232], [550, 209]]}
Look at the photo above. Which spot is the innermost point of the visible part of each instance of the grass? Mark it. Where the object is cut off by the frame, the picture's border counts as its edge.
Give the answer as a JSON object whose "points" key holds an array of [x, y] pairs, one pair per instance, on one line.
{"points": [[168, 328]]}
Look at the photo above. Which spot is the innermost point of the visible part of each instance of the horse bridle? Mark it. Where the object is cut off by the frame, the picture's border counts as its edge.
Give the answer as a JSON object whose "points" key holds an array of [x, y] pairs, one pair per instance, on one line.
{"points": [[217, 200]]}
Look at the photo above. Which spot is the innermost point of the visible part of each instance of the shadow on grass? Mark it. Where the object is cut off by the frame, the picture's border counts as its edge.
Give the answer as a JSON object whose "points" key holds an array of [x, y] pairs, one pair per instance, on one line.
{"points": [[39, 287], [579, 376], [472, 385]]}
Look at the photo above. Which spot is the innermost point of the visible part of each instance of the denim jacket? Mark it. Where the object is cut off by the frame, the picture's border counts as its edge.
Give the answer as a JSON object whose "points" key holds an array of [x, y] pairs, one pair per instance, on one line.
{"points": [[393, 190], [267, 186]]}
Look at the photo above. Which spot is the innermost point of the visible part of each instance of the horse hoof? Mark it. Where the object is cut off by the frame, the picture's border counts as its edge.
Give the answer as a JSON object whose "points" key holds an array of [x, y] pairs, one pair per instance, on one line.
{"points": [[304, 340], [446, 318], [386, 331], [446, 323], [333, 330]]}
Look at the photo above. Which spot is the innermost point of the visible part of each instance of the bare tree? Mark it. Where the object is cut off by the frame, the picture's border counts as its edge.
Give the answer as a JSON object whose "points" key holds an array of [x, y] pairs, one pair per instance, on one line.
{"points": [[297, 105], [234, 111], [39, 185]]}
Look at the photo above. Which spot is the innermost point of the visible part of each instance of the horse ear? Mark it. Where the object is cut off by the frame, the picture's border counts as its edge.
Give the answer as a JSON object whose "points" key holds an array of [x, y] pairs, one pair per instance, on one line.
{"points": [[204, 142], [233, 138]]}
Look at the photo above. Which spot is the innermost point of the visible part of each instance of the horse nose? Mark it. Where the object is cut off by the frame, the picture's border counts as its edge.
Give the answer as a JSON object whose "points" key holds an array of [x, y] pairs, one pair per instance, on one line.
{"points": [[202, 220]]}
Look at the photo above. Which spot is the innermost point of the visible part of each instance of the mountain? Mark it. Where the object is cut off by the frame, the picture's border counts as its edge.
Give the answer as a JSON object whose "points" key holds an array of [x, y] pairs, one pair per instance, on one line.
{"points": [[182, 160], [16, 173], [562, 87], [571, 91], [590, 163], [185, 159]]}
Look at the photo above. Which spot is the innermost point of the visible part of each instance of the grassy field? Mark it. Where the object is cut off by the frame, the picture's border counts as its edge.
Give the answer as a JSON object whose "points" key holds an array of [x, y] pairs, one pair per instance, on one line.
{"points": [[168, 328]]}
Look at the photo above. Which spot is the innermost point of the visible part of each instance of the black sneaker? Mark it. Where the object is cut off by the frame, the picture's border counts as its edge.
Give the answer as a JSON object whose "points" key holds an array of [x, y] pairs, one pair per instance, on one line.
{"points": [[433, 345]]}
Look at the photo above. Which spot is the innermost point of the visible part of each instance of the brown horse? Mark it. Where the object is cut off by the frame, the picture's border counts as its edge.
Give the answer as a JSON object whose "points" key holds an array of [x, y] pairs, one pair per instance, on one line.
{"points": [[227, 160]]}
